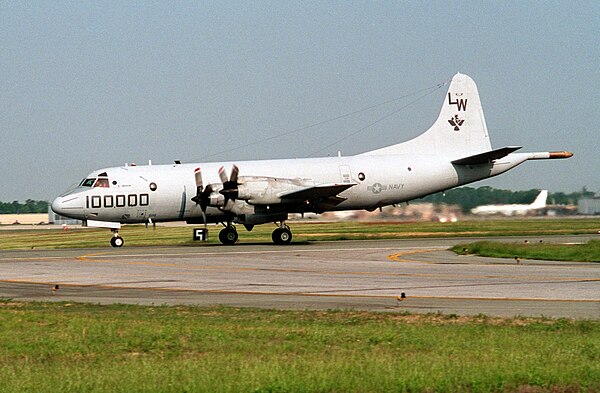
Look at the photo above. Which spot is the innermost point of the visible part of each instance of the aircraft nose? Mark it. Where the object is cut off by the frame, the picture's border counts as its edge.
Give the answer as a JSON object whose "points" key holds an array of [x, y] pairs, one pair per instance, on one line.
{"points": [[68, 206]]}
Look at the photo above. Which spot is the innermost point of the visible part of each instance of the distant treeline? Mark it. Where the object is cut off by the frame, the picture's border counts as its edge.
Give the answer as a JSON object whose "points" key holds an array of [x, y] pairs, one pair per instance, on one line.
{"points": [[468, 197], [30, 206]]}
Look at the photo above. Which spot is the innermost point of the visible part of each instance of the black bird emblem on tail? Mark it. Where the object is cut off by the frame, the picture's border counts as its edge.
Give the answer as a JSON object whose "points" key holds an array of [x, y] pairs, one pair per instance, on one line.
{"points": [[456, 122]]}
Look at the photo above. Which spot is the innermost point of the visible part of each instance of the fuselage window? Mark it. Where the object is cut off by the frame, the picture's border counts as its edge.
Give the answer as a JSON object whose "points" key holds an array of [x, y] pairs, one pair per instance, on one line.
{"points": [[120, 200], [143, 199], [108, 201], [96, 201], [102, 182], [132, 199], [87, 182]]}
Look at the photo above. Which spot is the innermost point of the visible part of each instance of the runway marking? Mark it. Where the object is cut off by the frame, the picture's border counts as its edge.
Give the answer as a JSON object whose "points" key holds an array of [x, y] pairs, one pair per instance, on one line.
{"points": [[304, 294], [43, 259], [98, 257], [397, 257], [89, 259], [200, 252], [281, 251]]}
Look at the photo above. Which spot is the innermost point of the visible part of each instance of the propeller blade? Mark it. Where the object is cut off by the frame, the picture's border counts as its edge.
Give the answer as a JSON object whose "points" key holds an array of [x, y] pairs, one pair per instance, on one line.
{"points": [[199, 187], [202, 194], [234, 175], [223, 175], [230, 186], [198, 177], [204, 217]]}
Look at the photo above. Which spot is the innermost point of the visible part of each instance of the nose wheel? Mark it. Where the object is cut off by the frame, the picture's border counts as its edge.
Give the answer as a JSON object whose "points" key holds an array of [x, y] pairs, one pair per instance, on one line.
{"points": [[116, 241]]}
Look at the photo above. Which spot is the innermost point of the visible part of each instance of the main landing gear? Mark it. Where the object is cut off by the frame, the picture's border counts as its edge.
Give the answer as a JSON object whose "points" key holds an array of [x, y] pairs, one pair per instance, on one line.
{"points": [[281, 235], [228, 235], [116, 241]]}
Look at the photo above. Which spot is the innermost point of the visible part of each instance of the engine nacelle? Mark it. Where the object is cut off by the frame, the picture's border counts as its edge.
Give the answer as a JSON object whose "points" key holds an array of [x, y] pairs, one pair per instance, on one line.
{"points": [[215, 199], [266, 190]]}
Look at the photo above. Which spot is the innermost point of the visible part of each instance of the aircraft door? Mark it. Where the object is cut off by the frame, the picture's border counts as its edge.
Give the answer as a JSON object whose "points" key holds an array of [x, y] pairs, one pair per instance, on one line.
{"points": [[345, 174]]}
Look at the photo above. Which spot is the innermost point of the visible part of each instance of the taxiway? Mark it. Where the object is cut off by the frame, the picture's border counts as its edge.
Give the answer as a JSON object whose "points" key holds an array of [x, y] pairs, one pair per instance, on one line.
{"points": [[364, 275]]}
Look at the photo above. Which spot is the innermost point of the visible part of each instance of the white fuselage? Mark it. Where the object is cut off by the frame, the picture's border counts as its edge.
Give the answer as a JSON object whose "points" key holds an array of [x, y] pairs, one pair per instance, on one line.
{"points": [[386, 179], [506, 210], [514, 209]]}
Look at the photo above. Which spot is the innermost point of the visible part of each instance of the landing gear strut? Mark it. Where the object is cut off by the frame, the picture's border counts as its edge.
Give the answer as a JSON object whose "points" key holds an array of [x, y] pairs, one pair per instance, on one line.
{"points": [[282, 235], [228, 235], [116, 241]]}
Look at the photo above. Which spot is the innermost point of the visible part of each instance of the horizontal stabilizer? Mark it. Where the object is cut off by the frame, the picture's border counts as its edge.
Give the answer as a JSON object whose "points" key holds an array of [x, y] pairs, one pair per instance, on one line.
{"points": [[486, 157], [320, 191]]}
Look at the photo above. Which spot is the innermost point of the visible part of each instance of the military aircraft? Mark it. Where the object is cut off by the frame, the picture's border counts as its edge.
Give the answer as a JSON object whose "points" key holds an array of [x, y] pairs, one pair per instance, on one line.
{"points": [[513, 209], [456, 150]]}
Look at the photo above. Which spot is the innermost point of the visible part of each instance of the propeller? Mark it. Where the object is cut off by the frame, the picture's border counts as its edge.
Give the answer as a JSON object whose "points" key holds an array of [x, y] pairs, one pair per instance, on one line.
{"points": [[230, 185], [207, 196], [202, 197]]}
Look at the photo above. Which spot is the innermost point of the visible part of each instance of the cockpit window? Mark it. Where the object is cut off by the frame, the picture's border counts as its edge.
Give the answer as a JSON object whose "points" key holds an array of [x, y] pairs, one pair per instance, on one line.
{"points": [[87, 182], [102, 182]]}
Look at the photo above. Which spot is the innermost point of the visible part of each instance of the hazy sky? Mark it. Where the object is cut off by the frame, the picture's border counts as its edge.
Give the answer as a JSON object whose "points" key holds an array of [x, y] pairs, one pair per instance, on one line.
{"points": [[86, 85]]}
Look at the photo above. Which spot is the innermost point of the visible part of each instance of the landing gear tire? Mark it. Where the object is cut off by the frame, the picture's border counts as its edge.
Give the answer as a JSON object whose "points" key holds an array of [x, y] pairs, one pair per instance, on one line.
{"points": [[117, 241], [282, 236], [228, 235]]}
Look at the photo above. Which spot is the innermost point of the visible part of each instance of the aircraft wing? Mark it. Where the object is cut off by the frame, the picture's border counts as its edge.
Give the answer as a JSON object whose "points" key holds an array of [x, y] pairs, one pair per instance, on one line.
{"points": [[320, 197], [486, 157], [319, 191]]}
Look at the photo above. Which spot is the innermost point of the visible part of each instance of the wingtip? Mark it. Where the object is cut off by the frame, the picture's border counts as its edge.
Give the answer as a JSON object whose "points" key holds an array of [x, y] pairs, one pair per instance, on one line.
{"points": [[561, 154]]}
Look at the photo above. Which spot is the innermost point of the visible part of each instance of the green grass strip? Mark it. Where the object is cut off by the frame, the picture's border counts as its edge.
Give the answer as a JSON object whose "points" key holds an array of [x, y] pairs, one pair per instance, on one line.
{"points": [[122, 348], [588, 252]]}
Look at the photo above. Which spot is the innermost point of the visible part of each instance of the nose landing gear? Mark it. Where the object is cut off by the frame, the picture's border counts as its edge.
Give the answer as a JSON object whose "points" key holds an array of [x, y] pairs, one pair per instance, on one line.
{"points": [[116, 241]]}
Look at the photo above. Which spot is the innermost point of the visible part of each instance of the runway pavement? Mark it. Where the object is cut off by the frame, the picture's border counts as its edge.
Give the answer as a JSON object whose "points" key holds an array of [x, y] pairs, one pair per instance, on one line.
{"points": [[364, 275]]}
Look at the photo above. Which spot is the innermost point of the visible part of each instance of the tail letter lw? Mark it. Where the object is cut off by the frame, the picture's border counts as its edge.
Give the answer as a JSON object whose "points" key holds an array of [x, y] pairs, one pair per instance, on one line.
{"points": [[461, 104]]}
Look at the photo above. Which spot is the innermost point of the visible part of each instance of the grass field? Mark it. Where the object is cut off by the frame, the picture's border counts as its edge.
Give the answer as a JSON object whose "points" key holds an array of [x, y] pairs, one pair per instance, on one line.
{"points": [[588, 252], [138, 235], [91, 348], [62, 347]]}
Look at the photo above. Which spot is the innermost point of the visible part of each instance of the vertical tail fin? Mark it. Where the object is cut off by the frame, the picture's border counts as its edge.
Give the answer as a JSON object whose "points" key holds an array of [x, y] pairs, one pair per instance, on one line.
{"points": [[540, 201], [460, 129]]}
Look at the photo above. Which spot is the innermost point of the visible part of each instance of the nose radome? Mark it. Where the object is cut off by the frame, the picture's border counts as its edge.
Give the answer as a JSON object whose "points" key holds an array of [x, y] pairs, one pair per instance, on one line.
{"points": [[68, 206], [57, 205]]}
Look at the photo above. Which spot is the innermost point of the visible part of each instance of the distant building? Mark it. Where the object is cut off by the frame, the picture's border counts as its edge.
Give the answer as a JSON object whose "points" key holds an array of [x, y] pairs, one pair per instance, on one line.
{"points": [[56, 219], [588, 206], [27, 218]]}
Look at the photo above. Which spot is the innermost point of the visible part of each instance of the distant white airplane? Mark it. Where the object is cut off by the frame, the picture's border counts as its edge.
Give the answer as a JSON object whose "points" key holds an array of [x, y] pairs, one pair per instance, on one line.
{"points": [[514, 209], [456, 150]]}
